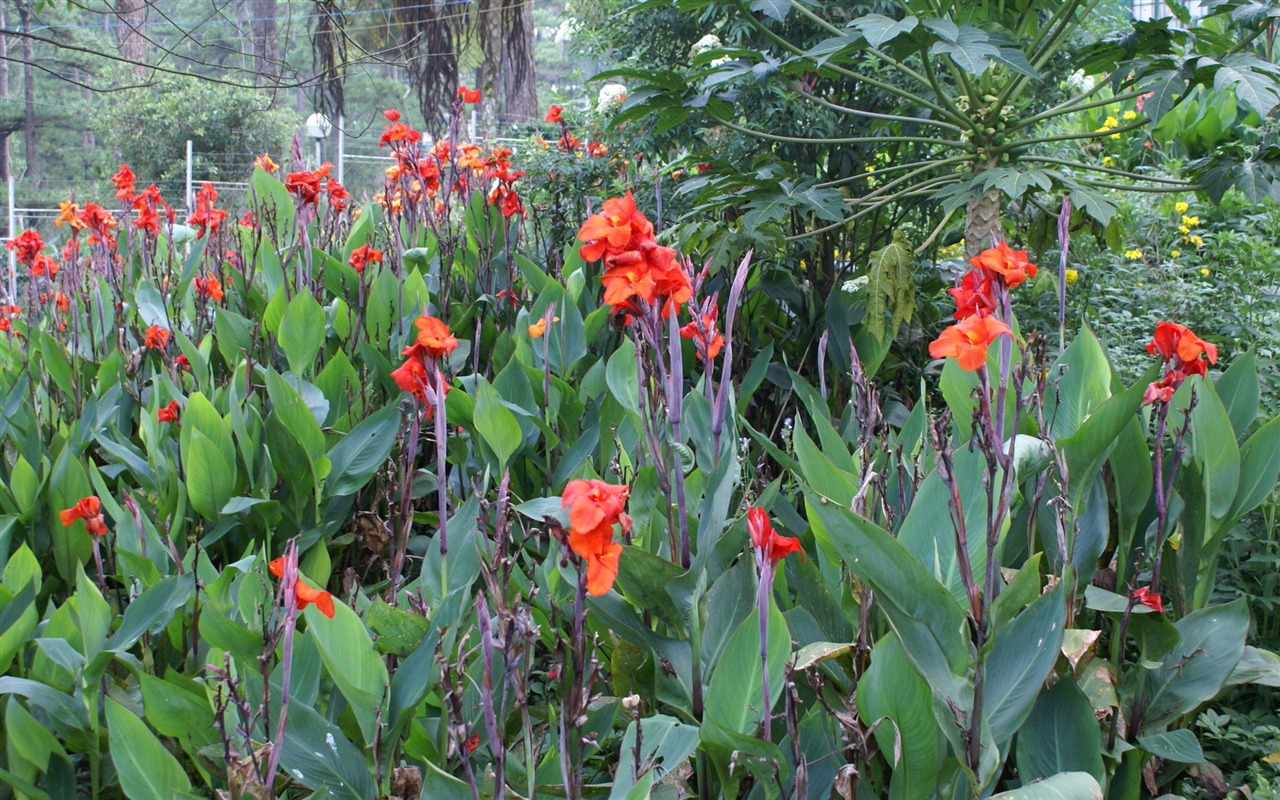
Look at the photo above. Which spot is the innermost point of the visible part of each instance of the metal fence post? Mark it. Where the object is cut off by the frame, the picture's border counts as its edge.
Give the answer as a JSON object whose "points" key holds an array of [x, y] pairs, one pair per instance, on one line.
{"points": [[342, 144], [190, 197], [13, 254]]}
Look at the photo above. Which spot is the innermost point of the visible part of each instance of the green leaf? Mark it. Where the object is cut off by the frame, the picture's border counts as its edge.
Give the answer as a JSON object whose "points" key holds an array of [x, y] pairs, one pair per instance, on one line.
{"points": [[175, 710], [496, 424], [210, 478], [878, 29], [665, 743], [734, 696], [1061, 735], [1022, 656], [1239, 391], [1085, 384], [1180, 746], [1195, 670], [352, 661], [1063, 786], [399, 632], [359, 454], [147, 771], [892, 688], [152, 610], [1245, 73], [620, 375], [1213, 446], [644, 578], [969, 47], [921, 611], [776, 9], [302, 331], [890, 289], [1259, 467]]}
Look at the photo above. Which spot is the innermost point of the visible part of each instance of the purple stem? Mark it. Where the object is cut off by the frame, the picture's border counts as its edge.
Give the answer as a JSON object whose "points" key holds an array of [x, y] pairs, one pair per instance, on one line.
{"points": [[763, 589], [289, 590], [675, 392], [1064, 244], [720, 411]]}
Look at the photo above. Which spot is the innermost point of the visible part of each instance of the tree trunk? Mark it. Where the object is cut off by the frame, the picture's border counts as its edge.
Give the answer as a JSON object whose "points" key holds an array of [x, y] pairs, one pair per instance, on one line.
{"points": [[29, 94], [489, 72], [130, 16], [262, 28], [982, 224], [520, 90], [4, 95]]}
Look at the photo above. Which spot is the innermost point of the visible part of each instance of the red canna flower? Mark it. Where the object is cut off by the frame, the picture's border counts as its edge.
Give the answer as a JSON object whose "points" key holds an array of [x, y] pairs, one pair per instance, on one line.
{"points": [[974, 295], [473, 741], [967, 341], [44, 266], [61, 302], [124, 184], [1148, 598], [434, 337], [392, 115], [26, 246], [1011, 265], [768, 542], [338, 195], [1180, 349], [637, 268], [700, 335], [205, 215], [304, 185], [470, 96], [157, 338], [399, 132], [594, 508], [303, 594], [209, 287], [597, 149], [169, 413], [88, 509], [182, 364], [363, 256], [553, 114]]}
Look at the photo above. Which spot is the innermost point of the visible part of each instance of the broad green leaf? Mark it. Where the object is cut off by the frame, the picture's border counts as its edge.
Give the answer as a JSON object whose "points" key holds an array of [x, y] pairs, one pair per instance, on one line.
{"points": [[620, 374], [1180, 746], [147, 770], [210, 478], [735, 693], [351, 661], [644, 578], [1239, 391], [891, 289], [1083, 382], [1061, 735], [359, 454], [1022, 655], [1213, 446], [892, 688], [1063, 786], [1195, 670], [496, 424], [152, 610], [302, 332], [927, 619], [174, 710], [1259, 466], [665, 742]]}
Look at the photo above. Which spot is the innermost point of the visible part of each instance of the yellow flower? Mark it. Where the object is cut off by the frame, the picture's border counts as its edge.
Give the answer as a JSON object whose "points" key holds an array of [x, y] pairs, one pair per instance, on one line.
{"points": [[804, 265], [1174, 253], [1130, 115], [1205, 270], [1072, 276], [1110, 122], [1181, 207], [537, 329], [1183, 229], [1107, 161], [1198, 241], [1133, 254], [1139, 284], [1190, 221]]}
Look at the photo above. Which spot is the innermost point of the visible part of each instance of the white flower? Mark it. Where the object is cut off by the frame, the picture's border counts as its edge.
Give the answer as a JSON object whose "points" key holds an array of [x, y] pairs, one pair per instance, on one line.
{"points": [[705, 44], [611, 98], [854, 284]]}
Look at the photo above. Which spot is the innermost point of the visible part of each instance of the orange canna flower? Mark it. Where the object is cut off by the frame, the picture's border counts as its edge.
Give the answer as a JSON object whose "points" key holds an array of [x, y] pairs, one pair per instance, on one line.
{"points": [[765, 539], [594, 508], [169, 413], [1180, 349], [209, 287], [1012, 265], [69, 213], [157, 338], [434, 336], [470, 96], [303, 594], [539, 329], [392, 115], [88, 509], [967, 341], [707, 351], [553, 114], [265, 163], [363, 256], [1148, 598], [124, 184]]}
